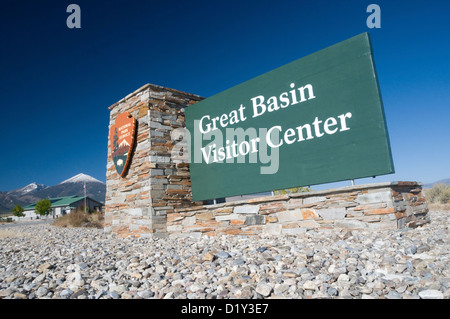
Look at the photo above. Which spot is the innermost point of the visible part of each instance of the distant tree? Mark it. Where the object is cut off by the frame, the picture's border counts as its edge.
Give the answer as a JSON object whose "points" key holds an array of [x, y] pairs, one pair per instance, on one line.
{"points": [[43, 207], [18, 211]]}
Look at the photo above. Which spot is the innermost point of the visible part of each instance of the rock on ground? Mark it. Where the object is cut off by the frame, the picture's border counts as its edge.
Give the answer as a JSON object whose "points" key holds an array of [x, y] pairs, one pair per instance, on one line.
{"points": [[42, 261]]}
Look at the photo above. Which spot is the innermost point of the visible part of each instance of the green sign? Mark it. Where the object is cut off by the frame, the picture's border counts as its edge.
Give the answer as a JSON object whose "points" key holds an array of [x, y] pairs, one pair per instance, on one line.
{"points": [[316, 120]]}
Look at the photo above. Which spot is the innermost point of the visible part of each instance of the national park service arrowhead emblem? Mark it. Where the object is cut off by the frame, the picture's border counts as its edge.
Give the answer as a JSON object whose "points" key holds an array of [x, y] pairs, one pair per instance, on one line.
{"points": [[121, 137]]}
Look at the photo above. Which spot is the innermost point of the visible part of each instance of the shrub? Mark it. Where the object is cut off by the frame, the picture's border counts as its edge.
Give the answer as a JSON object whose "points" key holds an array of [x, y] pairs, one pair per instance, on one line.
{"points": [[292, 190], [80, 219], [440, 193]]}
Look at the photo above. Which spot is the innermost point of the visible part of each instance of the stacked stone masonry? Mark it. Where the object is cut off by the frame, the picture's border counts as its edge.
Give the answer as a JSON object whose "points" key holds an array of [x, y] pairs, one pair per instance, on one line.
{"points": [[371, 207], [154, 185], [154, 197]]}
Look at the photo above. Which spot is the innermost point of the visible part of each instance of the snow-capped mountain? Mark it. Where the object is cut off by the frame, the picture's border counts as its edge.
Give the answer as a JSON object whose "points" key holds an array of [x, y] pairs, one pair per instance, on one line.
{"points": [[81, 178], [95, 189], [34, 192], [22, 196], [29, 188]]}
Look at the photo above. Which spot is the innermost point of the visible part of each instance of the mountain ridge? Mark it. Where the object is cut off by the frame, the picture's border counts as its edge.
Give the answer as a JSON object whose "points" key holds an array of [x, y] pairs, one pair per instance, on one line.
{"points": [[26, 189], [445, 181], [34, 192]]}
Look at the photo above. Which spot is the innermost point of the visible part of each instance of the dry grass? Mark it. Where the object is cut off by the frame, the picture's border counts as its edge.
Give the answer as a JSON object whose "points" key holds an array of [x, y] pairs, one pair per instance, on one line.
{"points": [[80, 219], [8, 233], [439, 207]]}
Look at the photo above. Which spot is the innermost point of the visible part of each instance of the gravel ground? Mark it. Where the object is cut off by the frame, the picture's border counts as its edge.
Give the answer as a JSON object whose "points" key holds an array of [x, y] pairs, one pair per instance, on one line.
{"points": [[43, 261]]}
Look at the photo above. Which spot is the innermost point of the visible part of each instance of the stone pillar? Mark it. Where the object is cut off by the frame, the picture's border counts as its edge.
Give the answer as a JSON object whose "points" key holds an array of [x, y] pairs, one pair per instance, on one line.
{"points": [[138, 203]]}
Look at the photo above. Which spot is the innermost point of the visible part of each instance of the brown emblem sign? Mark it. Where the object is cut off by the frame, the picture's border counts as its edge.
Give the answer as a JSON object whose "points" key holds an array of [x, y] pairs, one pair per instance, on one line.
{"points": [[121, 136]]}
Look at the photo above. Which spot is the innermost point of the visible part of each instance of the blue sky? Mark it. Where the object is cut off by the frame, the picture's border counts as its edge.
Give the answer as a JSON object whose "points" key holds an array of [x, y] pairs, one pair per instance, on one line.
{"points": [[56, 83]]}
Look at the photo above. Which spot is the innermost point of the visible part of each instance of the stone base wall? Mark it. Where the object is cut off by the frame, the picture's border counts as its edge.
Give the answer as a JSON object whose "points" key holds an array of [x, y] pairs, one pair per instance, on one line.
{"points": [[373, 207]]}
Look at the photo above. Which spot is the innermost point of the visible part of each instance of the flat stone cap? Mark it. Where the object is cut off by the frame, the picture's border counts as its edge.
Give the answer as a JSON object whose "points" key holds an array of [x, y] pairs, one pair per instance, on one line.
{"points": [[157, 88], [358, 187]]}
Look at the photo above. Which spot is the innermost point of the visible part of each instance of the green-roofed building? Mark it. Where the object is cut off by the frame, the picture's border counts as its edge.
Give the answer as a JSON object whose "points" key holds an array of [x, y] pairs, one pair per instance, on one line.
{"points": [[63, 205]]}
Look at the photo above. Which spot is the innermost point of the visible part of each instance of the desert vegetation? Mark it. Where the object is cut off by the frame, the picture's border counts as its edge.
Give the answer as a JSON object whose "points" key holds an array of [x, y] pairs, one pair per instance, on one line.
{"points": [[438, 197], [80, 219]]}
